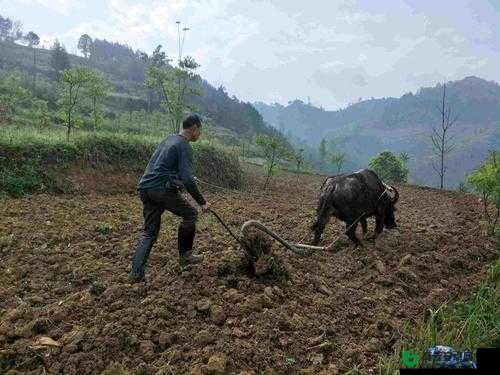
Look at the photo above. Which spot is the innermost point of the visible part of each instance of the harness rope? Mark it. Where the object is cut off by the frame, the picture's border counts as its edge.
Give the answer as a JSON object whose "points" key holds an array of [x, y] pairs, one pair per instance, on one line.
{"points": [[295, 248]]}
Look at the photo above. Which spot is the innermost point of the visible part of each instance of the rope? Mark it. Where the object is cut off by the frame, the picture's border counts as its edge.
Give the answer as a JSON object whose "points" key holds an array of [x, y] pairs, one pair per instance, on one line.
{"points": [[295, 248], [227, 189], [238, 239]]}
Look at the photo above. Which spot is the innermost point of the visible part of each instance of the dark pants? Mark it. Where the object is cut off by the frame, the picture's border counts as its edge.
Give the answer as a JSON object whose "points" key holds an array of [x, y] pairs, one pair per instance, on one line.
{"points": [[155, 203]]}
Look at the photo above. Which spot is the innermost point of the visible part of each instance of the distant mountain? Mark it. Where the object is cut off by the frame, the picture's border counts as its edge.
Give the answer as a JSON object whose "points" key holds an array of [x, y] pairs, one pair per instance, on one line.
{"points": [[402, 125]]}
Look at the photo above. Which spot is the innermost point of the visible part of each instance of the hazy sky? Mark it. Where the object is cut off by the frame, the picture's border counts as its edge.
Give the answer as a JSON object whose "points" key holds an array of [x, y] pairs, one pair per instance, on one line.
{"points": [[333, 51]]}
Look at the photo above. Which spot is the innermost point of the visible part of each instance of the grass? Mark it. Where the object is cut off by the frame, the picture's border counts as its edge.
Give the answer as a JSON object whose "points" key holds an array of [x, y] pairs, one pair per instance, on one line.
{"points": [[28, 156], [464, 325]]}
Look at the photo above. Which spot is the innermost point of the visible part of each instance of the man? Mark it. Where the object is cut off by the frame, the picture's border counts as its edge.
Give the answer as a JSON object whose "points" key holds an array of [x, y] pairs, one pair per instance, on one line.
{"points": [[169, 170]]}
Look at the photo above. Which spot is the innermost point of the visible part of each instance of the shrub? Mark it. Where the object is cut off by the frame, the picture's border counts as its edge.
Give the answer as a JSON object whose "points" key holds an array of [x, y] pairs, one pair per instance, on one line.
{"points": [[217, 166], [27, 157], [20, 180], [486, 181], [389, 167]]}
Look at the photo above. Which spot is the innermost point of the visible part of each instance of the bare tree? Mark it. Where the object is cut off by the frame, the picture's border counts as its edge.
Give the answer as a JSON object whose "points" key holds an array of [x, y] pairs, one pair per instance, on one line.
{"points": [[442, 141], [338, 159]]}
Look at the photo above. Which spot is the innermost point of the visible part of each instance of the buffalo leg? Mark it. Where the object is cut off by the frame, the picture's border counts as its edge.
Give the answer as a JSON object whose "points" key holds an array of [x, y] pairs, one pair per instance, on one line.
{"points": [[364, 226], [379, 225], [351, 233]]}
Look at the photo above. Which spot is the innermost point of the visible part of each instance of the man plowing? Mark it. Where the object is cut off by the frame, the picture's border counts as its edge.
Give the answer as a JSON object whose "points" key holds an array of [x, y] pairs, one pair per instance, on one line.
{"points": [[170, 170]]}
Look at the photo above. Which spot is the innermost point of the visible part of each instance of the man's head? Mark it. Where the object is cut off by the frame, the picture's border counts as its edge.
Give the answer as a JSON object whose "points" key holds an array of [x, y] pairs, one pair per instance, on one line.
{"points": [[191, 128]]}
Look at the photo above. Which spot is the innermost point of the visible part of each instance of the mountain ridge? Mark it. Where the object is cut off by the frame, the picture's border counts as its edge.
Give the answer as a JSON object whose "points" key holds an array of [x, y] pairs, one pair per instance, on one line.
{"points": [[401, 124]]}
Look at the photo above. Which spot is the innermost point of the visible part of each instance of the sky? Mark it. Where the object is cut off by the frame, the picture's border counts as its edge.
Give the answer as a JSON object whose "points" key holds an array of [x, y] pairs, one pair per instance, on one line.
{"points": [[328, 52]]}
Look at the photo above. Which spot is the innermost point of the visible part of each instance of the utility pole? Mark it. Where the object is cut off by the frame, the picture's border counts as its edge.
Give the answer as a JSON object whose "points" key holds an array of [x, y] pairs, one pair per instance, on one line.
{"points": [[183, 39], [179, 40]]}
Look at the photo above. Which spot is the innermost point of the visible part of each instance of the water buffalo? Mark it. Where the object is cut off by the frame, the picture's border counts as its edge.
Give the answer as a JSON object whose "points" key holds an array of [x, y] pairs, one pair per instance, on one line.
{"points": [[350, 197]]}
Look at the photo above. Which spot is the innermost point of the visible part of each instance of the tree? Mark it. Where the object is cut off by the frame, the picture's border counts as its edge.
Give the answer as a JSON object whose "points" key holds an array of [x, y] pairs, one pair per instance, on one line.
{"points": [[404, 157], [322, 151], [442, 142], [5, 28], [97, 87], [272, 149], [174, 85], [389, 168], [298, 158], [33, 40], [85, 45], [158, 58], [486, 181], [16, 32], [12, 95], [73, 81], [59, 59], [338, 159]]}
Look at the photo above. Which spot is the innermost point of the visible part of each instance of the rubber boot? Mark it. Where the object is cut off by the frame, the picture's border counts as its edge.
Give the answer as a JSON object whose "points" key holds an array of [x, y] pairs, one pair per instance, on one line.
{"points": [[140, 259], [188, 258]]}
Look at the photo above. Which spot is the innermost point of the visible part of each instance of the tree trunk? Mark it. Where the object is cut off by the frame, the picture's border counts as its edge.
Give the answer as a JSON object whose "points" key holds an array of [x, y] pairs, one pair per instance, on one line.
{"points": [[69, 125], [269, 171], [95, 114], [442, 161], [34, 69]]}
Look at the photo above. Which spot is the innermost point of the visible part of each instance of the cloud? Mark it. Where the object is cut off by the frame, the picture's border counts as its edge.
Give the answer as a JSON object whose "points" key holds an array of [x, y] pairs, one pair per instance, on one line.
{"points": [[280, 50], [60, 6]]}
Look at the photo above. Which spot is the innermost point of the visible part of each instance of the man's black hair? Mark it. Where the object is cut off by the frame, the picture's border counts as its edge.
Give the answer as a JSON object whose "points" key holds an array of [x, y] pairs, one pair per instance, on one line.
{"points": [[190, 121]]}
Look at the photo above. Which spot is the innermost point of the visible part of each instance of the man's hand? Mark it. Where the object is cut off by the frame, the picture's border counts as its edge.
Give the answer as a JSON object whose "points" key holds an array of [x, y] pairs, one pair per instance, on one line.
{"points": [[206, 207]]}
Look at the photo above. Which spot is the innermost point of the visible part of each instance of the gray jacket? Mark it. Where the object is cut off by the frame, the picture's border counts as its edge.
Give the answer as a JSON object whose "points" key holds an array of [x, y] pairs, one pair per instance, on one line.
{"points": [[170, 167]]}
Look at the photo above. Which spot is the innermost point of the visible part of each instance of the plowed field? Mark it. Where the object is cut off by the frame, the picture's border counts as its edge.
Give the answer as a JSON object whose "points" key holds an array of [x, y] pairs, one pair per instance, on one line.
{"points": [[64, 264]]}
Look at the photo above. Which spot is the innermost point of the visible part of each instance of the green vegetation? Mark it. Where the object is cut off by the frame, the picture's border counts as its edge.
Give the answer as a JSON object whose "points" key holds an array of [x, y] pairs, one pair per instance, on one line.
{"points": [[486, 181], [322, 152], [73, 82], [389, 167], [273, 150], [29, 157], [173, 86], [59, 59], [298, 159], [338, 159], [126, 70], [464, 325]]}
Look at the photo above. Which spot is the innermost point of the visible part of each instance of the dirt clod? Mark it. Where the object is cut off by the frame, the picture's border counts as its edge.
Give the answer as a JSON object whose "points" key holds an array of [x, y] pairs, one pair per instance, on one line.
{"points": [[217, 364]]}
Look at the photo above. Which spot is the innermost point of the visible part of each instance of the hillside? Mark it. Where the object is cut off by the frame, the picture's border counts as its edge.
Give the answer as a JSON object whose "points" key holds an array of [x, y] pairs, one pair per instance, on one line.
{"points": [[125, 68], [402, 125]]}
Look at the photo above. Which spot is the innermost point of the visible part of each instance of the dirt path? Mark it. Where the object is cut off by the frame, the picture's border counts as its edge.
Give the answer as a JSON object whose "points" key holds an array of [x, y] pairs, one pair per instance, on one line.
{"points": [[61, 278]]}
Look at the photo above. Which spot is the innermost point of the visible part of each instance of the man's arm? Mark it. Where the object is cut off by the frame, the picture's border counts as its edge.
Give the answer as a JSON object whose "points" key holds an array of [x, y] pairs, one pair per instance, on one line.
{"points": [[186, 174]]}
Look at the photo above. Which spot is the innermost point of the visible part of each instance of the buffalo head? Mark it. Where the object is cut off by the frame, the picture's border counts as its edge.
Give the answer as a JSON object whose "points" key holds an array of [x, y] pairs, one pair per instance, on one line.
{"points": [[389, 217]]}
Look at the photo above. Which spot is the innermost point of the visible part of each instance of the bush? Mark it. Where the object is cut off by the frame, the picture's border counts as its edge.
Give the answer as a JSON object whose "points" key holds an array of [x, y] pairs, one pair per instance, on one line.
{"points": [[486, 181], [217, 166], [27, 157], [389, 167], [20, 180], [462, 187]]}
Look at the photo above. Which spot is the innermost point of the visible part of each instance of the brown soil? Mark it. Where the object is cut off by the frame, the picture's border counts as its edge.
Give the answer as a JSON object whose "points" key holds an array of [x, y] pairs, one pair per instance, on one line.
{"points": [[64, 264]]}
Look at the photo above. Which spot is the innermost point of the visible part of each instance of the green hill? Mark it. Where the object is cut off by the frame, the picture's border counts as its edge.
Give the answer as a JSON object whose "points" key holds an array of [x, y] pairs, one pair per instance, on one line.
{"points": [[125, 69]]}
